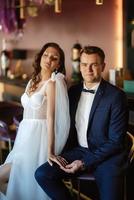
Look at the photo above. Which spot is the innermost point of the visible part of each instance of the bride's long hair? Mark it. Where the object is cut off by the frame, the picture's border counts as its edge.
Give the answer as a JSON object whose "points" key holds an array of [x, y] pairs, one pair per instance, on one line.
{"points": [[36, 78]]}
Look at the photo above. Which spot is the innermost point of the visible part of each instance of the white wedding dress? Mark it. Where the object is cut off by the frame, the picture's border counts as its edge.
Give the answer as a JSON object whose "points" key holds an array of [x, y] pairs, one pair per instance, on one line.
{"points": [[30, 148]]}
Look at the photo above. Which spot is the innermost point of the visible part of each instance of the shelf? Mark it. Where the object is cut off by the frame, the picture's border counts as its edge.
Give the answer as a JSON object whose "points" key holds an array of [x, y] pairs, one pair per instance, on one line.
{"points": [[17, 81], [11, 90]]}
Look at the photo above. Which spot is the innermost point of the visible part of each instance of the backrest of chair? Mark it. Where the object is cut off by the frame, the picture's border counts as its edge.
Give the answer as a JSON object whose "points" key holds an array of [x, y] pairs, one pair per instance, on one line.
{"points": [[3, 127], [17, 118], [131, 152], [4, 134], [8, 111]]}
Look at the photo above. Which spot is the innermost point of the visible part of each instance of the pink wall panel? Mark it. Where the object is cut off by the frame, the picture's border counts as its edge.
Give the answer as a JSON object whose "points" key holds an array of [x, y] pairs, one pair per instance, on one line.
{"points": [[80, 20]]}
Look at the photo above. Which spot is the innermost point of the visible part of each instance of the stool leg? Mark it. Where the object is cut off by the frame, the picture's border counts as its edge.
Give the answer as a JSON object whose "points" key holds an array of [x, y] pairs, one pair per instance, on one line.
{"points": [[125, 188], [0, 155], [9, 145], [78, 196], [71, 187]]}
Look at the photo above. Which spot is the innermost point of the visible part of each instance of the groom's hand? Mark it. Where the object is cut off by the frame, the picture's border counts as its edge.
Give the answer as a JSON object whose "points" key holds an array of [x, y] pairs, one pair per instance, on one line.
{"points": [[73, 167]]}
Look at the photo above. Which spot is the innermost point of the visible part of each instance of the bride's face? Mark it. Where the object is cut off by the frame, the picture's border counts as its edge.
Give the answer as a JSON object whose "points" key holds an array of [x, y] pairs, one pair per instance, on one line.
{"points": [[50, 59]]}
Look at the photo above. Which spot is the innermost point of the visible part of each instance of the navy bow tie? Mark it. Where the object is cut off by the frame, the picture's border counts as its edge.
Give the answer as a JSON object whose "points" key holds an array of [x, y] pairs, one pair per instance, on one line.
{"points": [[90, 91]]}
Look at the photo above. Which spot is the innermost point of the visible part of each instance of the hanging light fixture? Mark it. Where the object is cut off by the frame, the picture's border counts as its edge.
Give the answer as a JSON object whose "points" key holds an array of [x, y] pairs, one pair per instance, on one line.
{"points": [[49, 2], [22, 10], [99, 2], [58, 7]]}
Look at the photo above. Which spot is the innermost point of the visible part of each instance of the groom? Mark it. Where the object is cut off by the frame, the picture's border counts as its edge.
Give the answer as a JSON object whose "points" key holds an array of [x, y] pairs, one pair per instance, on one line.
{"points": [[99, 121]]}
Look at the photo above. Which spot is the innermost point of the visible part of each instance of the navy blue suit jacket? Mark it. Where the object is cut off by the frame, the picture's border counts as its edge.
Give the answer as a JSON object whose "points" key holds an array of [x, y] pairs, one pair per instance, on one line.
{"points": [[107, 124]]}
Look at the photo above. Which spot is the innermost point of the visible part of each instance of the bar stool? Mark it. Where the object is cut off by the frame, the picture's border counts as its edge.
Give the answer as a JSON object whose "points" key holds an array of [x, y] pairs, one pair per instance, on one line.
{"points": [[8, 110], [8, 128], [4, 136], [90, 177]]}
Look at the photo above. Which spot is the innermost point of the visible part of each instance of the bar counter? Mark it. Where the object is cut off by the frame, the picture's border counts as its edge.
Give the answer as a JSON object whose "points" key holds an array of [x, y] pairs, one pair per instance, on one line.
{"points": [[12, 89]]}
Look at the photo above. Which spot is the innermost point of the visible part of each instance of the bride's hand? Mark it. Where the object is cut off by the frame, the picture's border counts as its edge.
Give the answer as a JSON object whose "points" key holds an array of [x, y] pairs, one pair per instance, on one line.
{"points": [[59, 160]]}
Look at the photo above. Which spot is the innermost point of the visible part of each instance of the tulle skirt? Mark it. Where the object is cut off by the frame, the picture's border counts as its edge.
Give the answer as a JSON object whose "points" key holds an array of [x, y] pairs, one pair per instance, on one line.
{"points": [[29, 152]]}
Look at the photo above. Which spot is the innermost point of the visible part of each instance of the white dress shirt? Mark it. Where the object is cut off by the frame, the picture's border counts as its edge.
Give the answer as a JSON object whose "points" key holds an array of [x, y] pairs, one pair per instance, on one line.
{"points": [[82, 115]]}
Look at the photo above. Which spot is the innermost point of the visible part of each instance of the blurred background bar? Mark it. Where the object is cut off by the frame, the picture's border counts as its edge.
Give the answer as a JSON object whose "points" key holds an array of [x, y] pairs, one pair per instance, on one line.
{"points": [[72, 24]]}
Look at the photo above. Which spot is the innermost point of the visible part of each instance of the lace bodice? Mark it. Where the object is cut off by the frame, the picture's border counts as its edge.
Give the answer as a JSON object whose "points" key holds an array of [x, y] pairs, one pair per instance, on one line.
{"points": [[36, 104]]}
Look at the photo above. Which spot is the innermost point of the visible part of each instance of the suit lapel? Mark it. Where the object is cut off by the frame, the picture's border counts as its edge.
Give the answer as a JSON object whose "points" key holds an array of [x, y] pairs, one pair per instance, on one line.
{"points": [[79, 90], [97, 99], [74, 99]]}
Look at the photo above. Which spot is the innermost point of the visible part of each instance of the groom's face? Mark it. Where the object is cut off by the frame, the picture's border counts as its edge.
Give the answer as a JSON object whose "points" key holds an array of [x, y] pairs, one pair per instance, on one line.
{"points": [[91, 67]]}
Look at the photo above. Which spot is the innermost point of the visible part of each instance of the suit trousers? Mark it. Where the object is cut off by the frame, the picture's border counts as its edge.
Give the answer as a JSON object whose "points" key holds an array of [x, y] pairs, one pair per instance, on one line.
{"points": [[109, 177]]}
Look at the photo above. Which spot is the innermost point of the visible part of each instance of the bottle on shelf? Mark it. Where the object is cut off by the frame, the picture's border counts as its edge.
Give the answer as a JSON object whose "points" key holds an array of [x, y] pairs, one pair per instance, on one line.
{"points": [[76, 76], [132, 38], [116, 76], [5, 59]]}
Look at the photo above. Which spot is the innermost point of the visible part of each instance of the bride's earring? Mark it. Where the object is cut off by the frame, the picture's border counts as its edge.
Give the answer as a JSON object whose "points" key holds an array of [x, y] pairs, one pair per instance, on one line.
{"points": [[56, 71]]}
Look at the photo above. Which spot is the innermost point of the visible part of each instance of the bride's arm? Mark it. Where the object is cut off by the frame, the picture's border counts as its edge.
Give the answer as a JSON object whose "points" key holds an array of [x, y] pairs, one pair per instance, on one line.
{"points": [[50, 92]]}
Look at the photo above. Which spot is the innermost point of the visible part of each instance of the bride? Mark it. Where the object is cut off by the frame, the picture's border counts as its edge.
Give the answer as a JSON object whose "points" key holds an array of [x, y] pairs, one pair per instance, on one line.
{"points": [[44, 129]]}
